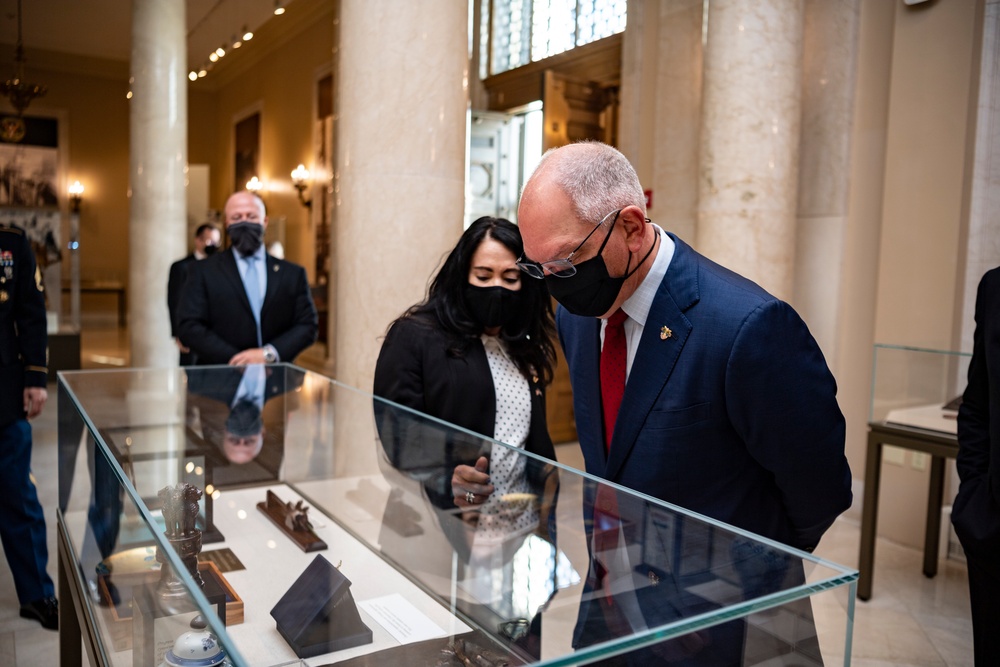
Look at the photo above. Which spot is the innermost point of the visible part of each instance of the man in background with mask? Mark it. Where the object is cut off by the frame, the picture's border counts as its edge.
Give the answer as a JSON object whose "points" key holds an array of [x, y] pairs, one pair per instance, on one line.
{"points": [[206, 242], [243, 306], [690, 383]]}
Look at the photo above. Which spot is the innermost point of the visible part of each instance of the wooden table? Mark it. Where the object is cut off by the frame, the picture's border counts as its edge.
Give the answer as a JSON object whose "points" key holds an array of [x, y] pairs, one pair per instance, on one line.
{"points": [[940, 446], [115, 287]]}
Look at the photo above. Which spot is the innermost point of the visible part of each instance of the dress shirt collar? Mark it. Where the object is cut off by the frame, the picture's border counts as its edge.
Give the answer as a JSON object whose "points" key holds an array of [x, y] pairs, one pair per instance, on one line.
{"points": [[260, 254], [637, 306]]}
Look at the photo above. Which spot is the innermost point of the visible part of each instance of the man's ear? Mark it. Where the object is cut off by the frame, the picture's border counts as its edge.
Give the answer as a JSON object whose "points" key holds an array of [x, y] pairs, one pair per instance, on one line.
{"points": [[633, 221]]}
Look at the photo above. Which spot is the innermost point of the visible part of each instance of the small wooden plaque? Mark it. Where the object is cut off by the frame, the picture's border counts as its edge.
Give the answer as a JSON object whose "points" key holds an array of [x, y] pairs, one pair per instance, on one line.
{"points": [[116, 600], [276, 511]]}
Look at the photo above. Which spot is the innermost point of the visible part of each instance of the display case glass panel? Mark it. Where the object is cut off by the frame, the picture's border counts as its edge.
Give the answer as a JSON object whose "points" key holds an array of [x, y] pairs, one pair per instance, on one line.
{"points": [[328, 532]]}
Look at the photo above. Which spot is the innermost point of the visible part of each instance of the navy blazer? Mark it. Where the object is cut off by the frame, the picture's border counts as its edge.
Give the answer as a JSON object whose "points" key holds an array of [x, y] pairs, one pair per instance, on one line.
{"points": [[976, 511], [733, 414], [216, 320], [23, 333], [417, 369]]}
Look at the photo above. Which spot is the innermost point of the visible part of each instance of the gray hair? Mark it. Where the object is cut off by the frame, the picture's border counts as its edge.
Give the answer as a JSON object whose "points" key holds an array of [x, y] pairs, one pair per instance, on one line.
{"points": [[597, 178]]}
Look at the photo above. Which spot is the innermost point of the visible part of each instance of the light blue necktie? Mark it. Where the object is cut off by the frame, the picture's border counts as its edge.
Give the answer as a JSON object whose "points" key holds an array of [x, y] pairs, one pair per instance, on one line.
{"points": [[252, 285]]}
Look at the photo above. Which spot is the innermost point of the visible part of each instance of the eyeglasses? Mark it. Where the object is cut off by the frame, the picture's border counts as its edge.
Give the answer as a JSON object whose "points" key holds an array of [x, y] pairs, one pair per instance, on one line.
{"points": [[563, 268]]}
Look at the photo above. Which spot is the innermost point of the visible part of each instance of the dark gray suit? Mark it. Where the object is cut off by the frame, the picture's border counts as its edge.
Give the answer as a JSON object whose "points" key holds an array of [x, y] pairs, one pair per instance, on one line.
{"points": [[216, 320]]}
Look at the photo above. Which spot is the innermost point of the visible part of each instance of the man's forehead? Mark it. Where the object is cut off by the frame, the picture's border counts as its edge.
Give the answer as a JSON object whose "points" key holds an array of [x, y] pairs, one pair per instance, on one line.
{"points": [[548, 228]]}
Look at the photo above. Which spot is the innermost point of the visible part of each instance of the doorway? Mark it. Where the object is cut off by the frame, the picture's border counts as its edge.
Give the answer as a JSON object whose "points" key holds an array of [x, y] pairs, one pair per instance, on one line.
{"points": [[504, 149]]}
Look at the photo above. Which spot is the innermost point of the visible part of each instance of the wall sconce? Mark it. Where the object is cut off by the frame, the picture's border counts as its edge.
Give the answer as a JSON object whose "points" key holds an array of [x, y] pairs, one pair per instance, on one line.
{"points": [[75, 196], [255, 186], [300, 179]]}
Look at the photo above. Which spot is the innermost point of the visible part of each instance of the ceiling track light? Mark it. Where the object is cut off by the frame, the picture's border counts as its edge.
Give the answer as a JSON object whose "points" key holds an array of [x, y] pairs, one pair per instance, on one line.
{"points": [[247, 35], [236, 42], [221, 51], [278, 8]]}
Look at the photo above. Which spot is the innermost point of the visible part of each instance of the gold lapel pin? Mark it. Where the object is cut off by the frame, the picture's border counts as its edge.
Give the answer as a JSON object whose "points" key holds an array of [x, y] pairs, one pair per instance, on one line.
{"points": [[665, 333], [275, 269]]}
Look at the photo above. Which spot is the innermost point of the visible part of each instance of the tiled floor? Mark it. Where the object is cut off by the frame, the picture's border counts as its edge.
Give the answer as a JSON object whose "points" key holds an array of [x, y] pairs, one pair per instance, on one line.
{"points": [[910, 620]]}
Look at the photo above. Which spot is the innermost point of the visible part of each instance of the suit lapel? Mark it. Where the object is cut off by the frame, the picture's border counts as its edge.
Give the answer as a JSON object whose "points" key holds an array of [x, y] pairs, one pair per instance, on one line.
{"points": [[272, 276], [232, 274], [658, 352], [589, 370]]}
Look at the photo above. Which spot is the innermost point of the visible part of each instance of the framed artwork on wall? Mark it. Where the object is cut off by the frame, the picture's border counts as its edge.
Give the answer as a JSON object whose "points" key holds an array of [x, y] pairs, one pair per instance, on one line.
{"points": [[246, 150], [31, 176]]}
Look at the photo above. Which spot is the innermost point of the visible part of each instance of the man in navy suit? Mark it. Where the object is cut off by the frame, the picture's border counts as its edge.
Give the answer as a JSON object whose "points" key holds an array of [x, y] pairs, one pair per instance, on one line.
{"points": [[976, 511], [729, 408], [243, 306]]}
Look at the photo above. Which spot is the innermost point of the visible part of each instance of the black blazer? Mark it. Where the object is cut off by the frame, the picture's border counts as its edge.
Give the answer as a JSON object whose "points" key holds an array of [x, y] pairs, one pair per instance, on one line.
{"points": [[216, 321], [178, 274], [416, 370], [23, 333], [976, 511]]}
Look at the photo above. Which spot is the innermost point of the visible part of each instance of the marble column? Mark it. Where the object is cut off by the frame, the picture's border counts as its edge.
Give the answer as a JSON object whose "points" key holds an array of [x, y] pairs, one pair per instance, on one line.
{"points": [[982, 250], [750, 139], [399, 182], [400, 172], [157, 162]]}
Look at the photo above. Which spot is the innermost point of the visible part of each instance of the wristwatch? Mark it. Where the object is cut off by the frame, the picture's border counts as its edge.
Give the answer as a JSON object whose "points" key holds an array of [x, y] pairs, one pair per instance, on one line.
{"points": [[269, 355]]}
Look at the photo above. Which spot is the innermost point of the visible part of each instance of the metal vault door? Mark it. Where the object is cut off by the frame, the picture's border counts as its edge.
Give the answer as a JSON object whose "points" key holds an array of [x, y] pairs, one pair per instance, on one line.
{"points": [[494, 166]]}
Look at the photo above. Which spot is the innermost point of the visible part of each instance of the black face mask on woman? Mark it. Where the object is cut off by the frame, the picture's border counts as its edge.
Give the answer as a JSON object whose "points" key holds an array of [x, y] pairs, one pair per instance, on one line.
{"points": [[492, 306], [246, 236], [591, 291]]}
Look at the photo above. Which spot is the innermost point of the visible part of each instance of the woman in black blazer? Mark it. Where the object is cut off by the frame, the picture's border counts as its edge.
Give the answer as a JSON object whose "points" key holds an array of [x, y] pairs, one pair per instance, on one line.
{"points": [[481, 333]]}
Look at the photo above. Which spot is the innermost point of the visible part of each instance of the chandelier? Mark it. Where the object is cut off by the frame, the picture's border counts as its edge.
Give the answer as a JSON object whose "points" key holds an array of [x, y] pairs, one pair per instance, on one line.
{"points": [[17, 89]]}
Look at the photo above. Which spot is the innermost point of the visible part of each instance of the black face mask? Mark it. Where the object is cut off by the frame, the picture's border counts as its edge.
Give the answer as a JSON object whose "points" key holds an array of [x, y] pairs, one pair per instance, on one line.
{"points": [[246, 236], [210, 250], [492, 306], [591, 291]]}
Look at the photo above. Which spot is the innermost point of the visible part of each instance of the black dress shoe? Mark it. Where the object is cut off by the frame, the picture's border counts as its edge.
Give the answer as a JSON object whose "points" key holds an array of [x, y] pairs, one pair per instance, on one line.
{"points": [[45, 611]]}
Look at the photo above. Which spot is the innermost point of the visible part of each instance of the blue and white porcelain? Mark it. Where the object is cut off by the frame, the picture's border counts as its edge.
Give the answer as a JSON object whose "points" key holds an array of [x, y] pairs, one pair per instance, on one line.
{"points": [[196, 649]]}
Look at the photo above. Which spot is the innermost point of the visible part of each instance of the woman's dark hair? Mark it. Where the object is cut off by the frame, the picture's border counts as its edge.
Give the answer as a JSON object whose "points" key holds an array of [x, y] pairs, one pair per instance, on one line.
{"points": [[528, 336]]}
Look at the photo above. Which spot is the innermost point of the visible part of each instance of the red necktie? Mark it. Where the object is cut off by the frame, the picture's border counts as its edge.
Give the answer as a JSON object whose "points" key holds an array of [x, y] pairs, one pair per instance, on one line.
{"points": [[613, 361], [606, 522]]}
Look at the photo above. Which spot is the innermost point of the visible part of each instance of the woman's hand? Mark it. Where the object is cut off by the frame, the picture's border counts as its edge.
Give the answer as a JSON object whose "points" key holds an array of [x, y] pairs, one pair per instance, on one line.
{"points": [[471, 485]]}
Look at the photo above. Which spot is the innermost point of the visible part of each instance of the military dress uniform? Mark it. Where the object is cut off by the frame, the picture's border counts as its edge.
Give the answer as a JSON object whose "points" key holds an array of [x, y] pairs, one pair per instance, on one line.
{"points": [[23, 345]]}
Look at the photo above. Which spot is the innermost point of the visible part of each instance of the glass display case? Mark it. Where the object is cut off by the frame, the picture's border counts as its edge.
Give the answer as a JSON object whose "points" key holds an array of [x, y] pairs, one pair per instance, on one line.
{"points": [[918, 387], [916, 393], [276, 516]]}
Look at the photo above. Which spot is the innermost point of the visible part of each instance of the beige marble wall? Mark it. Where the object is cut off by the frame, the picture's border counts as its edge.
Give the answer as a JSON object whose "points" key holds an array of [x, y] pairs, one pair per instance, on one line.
{"points": [[400, 170], [829, 76], [157, 162], [750, 139]]}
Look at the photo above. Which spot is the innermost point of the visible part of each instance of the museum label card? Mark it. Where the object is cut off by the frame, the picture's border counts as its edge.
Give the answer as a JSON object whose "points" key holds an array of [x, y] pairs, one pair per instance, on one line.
{"points": [[401, 619]]}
